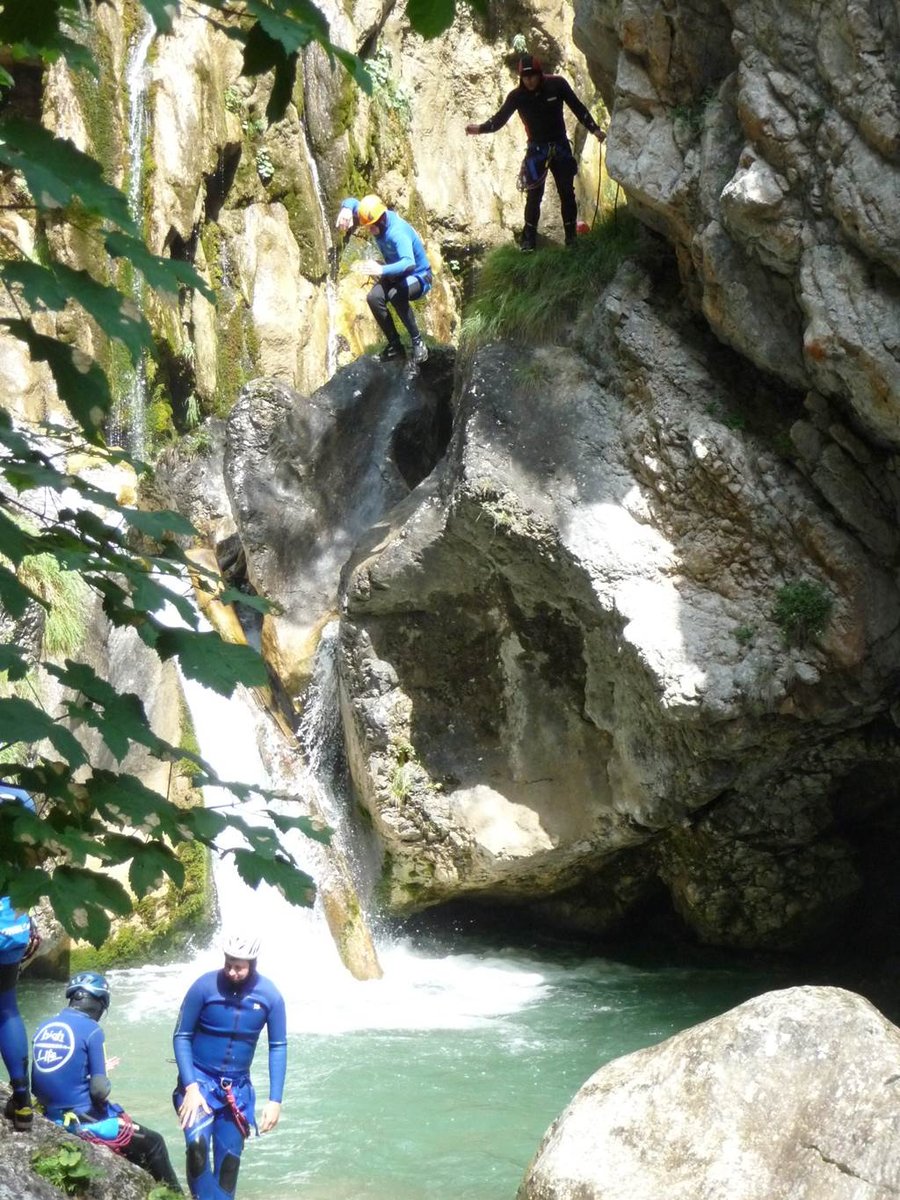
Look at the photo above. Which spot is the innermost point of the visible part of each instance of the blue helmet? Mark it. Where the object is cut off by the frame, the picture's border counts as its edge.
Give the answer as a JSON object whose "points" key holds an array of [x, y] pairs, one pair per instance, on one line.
{"points": [[91, 984]]}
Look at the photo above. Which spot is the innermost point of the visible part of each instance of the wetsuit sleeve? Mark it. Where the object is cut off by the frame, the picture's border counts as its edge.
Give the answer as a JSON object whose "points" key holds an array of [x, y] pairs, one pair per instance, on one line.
{"points": [[185, 1027], [99, 1085], [502, 115], [276, 1028], [579, 109]]}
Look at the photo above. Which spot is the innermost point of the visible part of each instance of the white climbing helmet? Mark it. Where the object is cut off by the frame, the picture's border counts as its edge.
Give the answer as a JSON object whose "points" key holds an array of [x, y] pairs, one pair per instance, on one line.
{"points": [[240, 943]]}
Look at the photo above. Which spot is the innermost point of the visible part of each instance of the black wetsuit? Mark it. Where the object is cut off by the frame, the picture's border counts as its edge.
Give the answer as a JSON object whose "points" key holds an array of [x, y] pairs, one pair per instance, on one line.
{"points": [[548, 148]]}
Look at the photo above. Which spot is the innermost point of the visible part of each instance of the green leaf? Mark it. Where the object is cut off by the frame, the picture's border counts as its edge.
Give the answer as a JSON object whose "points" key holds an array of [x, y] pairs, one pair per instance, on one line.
{"points": [[355, 67], [430, 17], [164, 274], [308, 825], [151, 863], [116, 316], [295, 885], [53, 287], [39, 285], [14, 596], [234, 596], [216, 664], [81, 384], [160, 524], [57, 173], [80, 899], [24, 887], [12, 659], [22, 721], [294, 24], [162, 12]]}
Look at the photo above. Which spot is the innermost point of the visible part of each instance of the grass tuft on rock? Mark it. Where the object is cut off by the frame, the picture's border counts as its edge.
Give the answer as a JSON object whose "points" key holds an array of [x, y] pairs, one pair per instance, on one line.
{"points": [[532, 297]]}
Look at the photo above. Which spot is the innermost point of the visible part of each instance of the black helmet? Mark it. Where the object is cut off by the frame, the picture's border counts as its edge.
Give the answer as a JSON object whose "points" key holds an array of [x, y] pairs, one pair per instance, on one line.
{"points": [[529, 65], [89, 983]]}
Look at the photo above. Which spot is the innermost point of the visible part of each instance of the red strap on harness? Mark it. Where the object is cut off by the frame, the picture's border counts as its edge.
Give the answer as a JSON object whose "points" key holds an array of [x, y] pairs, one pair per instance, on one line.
{"points": [[239, 1119], [119, 1142]]}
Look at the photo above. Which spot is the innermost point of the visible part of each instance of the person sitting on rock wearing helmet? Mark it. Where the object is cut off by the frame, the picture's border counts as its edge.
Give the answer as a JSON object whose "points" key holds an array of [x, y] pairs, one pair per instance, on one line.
{"points": [[19, 940], [539, 101], [69, 1079], [219, 1024], [405, 274]]}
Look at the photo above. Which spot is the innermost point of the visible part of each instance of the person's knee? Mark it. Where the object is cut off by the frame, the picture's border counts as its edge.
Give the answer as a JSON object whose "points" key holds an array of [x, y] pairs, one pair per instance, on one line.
{"points": [[197, 1157], [231, 1164]]}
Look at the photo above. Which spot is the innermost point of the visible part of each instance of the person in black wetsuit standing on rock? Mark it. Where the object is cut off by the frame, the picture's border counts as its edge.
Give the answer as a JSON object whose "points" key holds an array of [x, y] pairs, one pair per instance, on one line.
{"points": [[539, 101]]}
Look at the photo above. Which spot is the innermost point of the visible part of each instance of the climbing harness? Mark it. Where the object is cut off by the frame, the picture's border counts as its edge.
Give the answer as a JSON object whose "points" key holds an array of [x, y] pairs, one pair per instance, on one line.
{"points": [[239, 1119], [115, 1133], [536, 164]]}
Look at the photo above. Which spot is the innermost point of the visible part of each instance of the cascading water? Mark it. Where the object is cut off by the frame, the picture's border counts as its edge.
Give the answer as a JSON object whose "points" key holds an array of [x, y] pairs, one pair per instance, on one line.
{"points": [[329, 283], [130, 418]]}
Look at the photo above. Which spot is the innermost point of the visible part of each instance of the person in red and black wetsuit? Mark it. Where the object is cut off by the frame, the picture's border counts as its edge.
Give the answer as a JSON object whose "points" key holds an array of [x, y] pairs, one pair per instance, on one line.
{"points": [[539, 101]]}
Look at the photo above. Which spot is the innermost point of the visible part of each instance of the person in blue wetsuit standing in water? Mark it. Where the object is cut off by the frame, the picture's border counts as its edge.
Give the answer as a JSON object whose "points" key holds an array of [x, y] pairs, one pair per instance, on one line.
{"points": [[404, 276], [18, 942], [221, 1018], [70, 1082]]}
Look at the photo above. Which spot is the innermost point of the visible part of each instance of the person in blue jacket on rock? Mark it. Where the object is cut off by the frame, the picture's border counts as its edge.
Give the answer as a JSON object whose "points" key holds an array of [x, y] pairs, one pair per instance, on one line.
{"points": [[18, 942], [69, 1079], [219, 1024], [404, 276]]}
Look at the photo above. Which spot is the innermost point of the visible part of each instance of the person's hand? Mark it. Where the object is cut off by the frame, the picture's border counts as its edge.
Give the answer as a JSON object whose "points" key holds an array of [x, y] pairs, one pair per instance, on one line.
{"points": [[367, 266], [344, 221], [192, 1106], [270, 1114], [472, 127], [112, 1063], [599, 135]]}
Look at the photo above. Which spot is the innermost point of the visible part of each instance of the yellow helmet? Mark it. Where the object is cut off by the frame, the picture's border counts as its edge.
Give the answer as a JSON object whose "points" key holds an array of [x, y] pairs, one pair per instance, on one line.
{"points": [[371, 209]]}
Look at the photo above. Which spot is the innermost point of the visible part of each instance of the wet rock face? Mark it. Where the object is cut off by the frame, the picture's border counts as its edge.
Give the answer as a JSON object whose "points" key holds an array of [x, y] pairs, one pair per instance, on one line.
{"points": [[790, 1094], [307, 477], [562, 653], [763, 139]]}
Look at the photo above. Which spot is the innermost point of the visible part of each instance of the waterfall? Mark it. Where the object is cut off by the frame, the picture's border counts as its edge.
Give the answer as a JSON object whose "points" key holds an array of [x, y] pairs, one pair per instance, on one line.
{"points": [[245, 740], [330, 285], [130, 419]]}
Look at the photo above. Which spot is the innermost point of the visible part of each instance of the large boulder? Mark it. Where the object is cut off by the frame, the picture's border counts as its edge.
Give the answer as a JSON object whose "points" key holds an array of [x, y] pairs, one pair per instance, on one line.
{"points": [[791, 1096], [565, 647]]}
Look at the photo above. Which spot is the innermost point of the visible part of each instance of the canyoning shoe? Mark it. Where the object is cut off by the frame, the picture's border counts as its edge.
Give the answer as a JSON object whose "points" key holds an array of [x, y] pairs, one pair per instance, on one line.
{"points": [[391, 351], [419, 351], [19, 1111], [528, 241]]}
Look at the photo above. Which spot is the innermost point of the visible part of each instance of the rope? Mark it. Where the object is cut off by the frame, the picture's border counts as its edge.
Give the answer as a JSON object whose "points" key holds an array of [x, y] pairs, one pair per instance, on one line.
{"points": [[116, 1144], [599, 187]]}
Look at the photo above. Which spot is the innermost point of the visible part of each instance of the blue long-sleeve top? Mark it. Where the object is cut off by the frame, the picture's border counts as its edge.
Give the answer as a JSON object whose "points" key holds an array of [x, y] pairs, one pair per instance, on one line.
{"points": [[68, 1065], [219, 1025], [401, 247]]}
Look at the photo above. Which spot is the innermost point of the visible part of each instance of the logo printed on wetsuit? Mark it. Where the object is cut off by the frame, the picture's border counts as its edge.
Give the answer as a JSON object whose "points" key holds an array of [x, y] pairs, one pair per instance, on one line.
{"points": [[54, 1045]]}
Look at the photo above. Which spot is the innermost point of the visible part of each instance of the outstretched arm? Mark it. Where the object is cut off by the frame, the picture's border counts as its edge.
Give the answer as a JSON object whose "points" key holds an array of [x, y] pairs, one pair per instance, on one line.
{"points": [[499, 119]]}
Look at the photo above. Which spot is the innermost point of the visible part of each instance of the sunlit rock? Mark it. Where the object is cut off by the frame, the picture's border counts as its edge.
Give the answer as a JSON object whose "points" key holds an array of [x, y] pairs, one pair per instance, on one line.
{"points": [[790, 1094]]}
